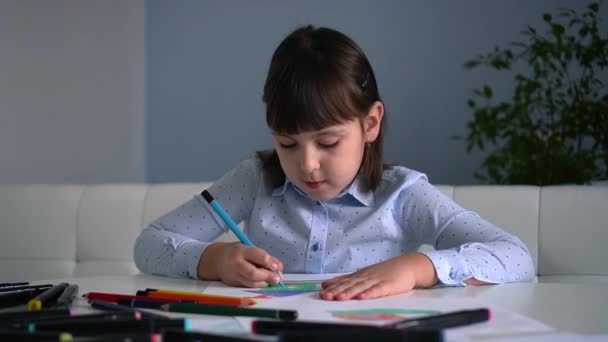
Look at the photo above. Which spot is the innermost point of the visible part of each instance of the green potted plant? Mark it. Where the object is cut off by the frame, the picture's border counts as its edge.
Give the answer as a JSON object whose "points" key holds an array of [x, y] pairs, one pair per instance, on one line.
{"points": [[554, 128]]}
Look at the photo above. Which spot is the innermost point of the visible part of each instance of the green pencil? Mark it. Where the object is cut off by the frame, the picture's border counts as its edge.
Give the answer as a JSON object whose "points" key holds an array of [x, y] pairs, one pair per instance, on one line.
{"points": [[224, 310]]}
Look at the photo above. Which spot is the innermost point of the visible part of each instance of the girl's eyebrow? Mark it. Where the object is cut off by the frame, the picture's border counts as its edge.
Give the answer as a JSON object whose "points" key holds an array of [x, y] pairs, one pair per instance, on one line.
{"points": [[324, 132], [330, 131]]}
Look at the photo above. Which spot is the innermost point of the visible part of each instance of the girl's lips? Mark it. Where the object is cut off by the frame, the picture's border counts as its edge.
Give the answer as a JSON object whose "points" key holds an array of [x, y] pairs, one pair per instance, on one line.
{"points": [[314, 185]]}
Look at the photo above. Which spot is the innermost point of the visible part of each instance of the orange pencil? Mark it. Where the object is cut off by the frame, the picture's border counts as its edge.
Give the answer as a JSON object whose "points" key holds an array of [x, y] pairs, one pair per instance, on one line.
{"points": [[148, 290], [204, 298]]}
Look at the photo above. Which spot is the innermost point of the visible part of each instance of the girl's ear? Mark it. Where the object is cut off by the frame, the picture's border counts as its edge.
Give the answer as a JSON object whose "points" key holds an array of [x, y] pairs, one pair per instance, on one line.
{"points": [[373, 121]]}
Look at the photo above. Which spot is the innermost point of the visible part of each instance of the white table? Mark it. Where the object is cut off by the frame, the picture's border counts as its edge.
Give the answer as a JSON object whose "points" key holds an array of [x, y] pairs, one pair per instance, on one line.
{"points": [[579, 308]]}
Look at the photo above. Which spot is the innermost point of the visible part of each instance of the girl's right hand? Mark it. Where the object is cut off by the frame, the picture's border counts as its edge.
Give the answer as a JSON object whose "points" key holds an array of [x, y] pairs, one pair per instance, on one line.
{"points": [[238, 265]]}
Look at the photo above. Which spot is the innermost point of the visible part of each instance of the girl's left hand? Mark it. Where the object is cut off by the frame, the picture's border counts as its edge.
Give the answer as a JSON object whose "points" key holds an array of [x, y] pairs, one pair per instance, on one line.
{"points": [[396, 275]]}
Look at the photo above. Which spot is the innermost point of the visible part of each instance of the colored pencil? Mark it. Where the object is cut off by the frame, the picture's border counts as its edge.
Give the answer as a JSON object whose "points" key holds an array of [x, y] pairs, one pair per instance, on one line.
{"points": [[202, 298], [233, 226], [148, 290], [222, 310]]}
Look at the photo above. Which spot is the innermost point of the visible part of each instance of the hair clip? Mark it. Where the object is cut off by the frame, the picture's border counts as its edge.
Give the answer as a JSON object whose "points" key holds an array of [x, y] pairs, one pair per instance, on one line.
{"points": [[364, 84]]}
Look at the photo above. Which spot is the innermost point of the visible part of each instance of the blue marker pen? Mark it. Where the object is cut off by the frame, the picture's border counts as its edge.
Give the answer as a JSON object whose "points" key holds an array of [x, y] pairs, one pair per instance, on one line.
{"points": [[231, 224]]}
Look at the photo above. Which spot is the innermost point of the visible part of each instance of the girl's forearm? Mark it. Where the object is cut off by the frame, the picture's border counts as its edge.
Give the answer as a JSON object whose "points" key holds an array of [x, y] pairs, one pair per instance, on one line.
{"points": [[424, 270]]}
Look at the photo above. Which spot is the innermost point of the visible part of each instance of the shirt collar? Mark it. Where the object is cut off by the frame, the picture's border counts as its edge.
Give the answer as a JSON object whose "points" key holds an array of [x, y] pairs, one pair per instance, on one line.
{"points": [[280, 190], [354, 190]]}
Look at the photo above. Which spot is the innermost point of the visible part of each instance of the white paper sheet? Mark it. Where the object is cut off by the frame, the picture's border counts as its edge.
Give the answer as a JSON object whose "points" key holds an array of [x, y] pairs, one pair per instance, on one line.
{"points": [[312, 308], [310, 277]]}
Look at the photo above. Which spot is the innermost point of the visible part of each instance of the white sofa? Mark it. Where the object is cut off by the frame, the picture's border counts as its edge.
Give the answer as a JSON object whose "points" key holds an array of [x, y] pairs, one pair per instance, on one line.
{"points": [[55, 231]]}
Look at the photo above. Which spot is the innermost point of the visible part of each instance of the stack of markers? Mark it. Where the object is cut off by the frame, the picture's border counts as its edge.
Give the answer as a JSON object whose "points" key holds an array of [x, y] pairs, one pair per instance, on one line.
{"points": [[191, 302], [276, 325], [146, 300], [36, 296], [44, 313]]}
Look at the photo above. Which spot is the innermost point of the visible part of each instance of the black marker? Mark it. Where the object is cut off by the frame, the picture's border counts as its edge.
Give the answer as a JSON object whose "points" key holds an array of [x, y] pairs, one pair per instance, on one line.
{"points": [[141, 303], [19, 297], [24, 323], [25, 336], [174, 335], [13, 284], [371, 333], [24, 287], [444, 321], [7, 316], [107, 306], [47, 297], [67, 296], [225, 310], [94, 327]]}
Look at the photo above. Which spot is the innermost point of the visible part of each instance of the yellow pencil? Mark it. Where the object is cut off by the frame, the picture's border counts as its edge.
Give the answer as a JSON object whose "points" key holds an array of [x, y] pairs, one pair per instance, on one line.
{"points": [[219, 299]]}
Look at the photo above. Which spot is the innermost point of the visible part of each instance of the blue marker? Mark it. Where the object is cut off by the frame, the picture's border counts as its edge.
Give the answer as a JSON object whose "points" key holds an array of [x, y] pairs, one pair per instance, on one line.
{"points": [[231, 224]]}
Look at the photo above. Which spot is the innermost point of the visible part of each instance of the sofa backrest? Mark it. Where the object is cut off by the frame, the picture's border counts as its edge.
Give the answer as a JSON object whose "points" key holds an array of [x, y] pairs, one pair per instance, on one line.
{"points": [[55, 231]]}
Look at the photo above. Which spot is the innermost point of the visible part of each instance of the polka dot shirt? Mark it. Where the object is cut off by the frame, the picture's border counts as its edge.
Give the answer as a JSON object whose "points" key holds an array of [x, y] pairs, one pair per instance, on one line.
{"points": [[353, 230]]}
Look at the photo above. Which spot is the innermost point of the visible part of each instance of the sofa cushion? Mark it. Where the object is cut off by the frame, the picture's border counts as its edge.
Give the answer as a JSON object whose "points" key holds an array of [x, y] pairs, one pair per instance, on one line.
{"points": [[108, 222], [38, 231], [513, 208], [573, 230]]}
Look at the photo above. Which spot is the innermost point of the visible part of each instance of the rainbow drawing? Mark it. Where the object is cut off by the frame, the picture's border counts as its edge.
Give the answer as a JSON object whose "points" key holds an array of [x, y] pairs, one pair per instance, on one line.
{"points": [[381, 314], [292, 289]]}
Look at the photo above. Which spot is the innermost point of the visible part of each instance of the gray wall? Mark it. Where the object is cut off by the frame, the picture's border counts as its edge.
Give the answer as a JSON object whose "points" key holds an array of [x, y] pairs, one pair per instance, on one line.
{"points": [[73, 75], [206, 64], [71, 91]]}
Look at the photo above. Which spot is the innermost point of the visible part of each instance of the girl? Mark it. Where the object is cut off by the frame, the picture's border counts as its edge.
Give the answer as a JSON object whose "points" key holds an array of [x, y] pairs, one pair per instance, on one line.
{"points": [[323, 201]]}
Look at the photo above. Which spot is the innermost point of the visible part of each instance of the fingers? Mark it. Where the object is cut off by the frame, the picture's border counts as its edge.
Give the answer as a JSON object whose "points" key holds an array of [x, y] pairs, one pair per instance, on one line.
{"points": [[261, 258], [255, 268], [332, 281], [245, 282], [347, 288], [375, 291], [359, 285]]}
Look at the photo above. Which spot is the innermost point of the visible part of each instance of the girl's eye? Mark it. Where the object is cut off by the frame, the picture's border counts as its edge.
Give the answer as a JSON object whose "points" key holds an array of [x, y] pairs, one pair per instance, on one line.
{"points": [[328, 145], [287, 146]]}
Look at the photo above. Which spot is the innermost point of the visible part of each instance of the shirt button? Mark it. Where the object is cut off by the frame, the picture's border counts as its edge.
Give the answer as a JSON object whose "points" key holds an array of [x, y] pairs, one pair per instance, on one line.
{"points": [[452, 275], [316, 247]]}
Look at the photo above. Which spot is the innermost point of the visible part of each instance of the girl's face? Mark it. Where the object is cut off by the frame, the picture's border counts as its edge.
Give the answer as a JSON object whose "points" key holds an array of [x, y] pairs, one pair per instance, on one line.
{"points": [[323, 163]]}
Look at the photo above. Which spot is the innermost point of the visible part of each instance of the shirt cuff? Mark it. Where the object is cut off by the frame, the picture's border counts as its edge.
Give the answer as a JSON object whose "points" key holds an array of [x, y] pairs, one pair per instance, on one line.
{"points": [[450, 268], [190, 254]]}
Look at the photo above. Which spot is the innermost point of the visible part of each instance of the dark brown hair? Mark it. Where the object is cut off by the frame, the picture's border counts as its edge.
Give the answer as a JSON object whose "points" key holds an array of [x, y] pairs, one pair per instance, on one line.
{"points": [[319, 77]]}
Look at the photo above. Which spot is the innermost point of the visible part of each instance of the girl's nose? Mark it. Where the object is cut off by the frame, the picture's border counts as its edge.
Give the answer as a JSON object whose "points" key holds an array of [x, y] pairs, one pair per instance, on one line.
{"points": [[309, 160]]}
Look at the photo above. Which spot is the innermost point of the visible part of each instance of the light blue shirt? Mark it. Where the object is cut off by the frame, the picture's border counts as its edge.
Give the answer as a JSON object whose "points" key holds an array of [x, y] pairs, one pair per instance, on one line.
{"points": [[354, 230]]}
